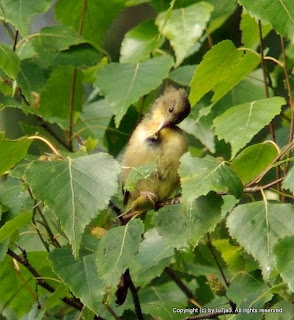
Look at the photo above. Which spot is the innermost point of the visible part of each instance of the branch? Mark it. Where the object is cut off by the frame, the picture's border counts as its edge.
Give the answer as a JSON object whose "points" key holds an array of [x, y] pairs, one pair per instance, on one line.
{"points": [[210, 246], [267, 186], [73, 302], [182, 286], [15, 40], [135, 296]]}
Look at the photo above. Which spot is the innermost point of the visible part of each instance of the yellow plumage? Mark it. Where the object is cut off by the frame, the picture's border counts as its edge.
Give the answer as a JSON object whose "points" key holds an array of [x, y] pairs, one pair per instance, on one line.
{"points": [[157, 139]]}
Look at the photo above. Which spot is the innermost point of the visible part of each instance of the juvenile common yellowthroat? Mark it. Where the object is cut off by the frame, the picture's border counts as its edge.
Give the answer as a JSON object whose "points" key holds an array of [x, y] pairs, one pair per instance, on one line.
{"points": [[157, 139]]}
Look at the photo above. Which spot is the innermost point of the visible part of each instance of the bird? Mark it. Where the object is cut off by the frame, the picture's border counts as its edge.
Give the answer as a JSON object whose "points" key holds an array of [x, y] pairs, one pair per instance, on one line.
{"points": [[157, 139]]}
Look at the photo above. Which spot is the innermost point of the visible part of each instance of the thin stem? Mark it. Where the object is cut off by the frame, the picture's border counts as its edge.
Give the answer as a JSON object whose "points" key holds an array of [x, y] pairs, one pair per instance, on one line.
{"points": [[267, 186], [38, 231], [46, 225], [182, 286], [45, 126], [210, 247], [289, 90], [49, 144], [74, 81], [111, 311], [15, 40], [71, 107], [73, 302], [135, 296]]}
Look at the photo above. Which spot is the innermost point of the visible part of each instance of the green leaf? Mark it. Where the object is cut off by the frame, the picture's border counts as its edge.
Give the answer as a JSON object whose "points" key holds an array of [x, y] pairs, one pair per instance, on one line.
{"points": [[202, 175], [258, 225], [284, 258], [138, 173], [9, 227], [20, 14], [12, 151], [134, 81], [116, 251], [220, 70], [152, 258], [55, 107], [183, 75], [181, 229], [75, 189], [254, 159], [241, 123], [230, 254], [93, 120], [222, 10], [184, 27], [139, 43], [288, 182], [56, 38], [250, 31], [80, 275], [98, 16], [9, 61], [266, 10]]}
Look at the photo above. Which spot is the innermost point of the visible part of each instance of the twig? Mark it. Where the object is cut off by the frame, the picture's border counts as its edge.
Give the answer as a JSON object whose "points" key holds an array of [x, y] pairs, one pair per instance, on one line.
{"points": [[46, 225], [49, 144], [289, 90], [135, 296], [111, 311], [210, 247], [15, 40], [73, 302], [267, 186], [38, 231], [182, 286], [71, 107], [45, 126], [263, 67], [117, 210]]}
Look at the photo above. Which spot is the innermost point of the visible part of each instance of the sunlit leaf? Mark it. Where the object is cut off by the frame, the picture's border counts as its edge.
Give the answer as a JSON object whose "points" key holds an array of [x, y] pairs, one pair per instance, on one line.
{"points": [[9, 61], [9, 227], [12, 151], [80, 275], [254, 159], [220, 70], [139, 43], [134, 81], [202, 175], [184, 229], [116, 251], [279, 13], [184, 27], [20, 14], [239, 124], [257, 226], [75, 189]]}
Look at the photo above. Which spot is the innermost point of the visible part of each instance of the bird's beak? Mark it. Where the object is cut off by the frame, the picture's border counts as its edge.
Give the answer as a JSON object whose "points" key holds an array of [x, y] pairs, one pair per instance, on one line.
{"points": [[162, 125]]}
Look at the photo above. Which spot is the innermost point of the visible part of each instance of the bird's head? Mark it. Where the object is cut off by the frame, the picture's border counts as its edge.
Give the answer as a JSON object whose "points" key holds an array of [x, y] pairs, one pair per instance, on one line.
{"points": [[171, 108]]}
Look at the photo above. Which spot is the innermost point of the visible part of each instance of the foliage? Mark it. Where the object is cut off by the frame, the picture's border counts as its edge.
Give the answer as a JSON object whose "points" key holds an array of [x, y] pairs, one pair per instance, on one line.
{"points": [[231, 231]]}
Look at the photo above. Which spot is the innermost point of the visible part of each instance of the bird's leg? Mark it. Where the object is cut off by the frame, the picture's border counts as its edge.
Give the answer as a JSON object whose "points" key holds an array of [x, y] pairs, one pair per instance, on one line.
{"points": [[146, 201]]}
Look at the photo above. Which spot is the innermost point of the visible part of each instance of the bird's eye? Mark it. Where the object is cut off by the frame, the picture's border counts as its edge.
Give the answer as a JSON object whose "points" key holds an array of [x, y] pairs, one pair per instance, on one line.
{"points": [[171, 109]]}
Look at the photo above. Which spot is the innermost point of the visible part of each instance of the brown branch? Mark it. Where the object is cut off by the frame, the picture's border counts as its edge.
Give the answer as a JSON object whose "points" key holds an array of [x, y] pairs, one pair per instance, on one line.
{"points": [[135, 296], [264, 72], [210, 247], [73, 302], [189, 294], [45, 223], [45, 126], [267, 186], [15, 40], [289, 90]]}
